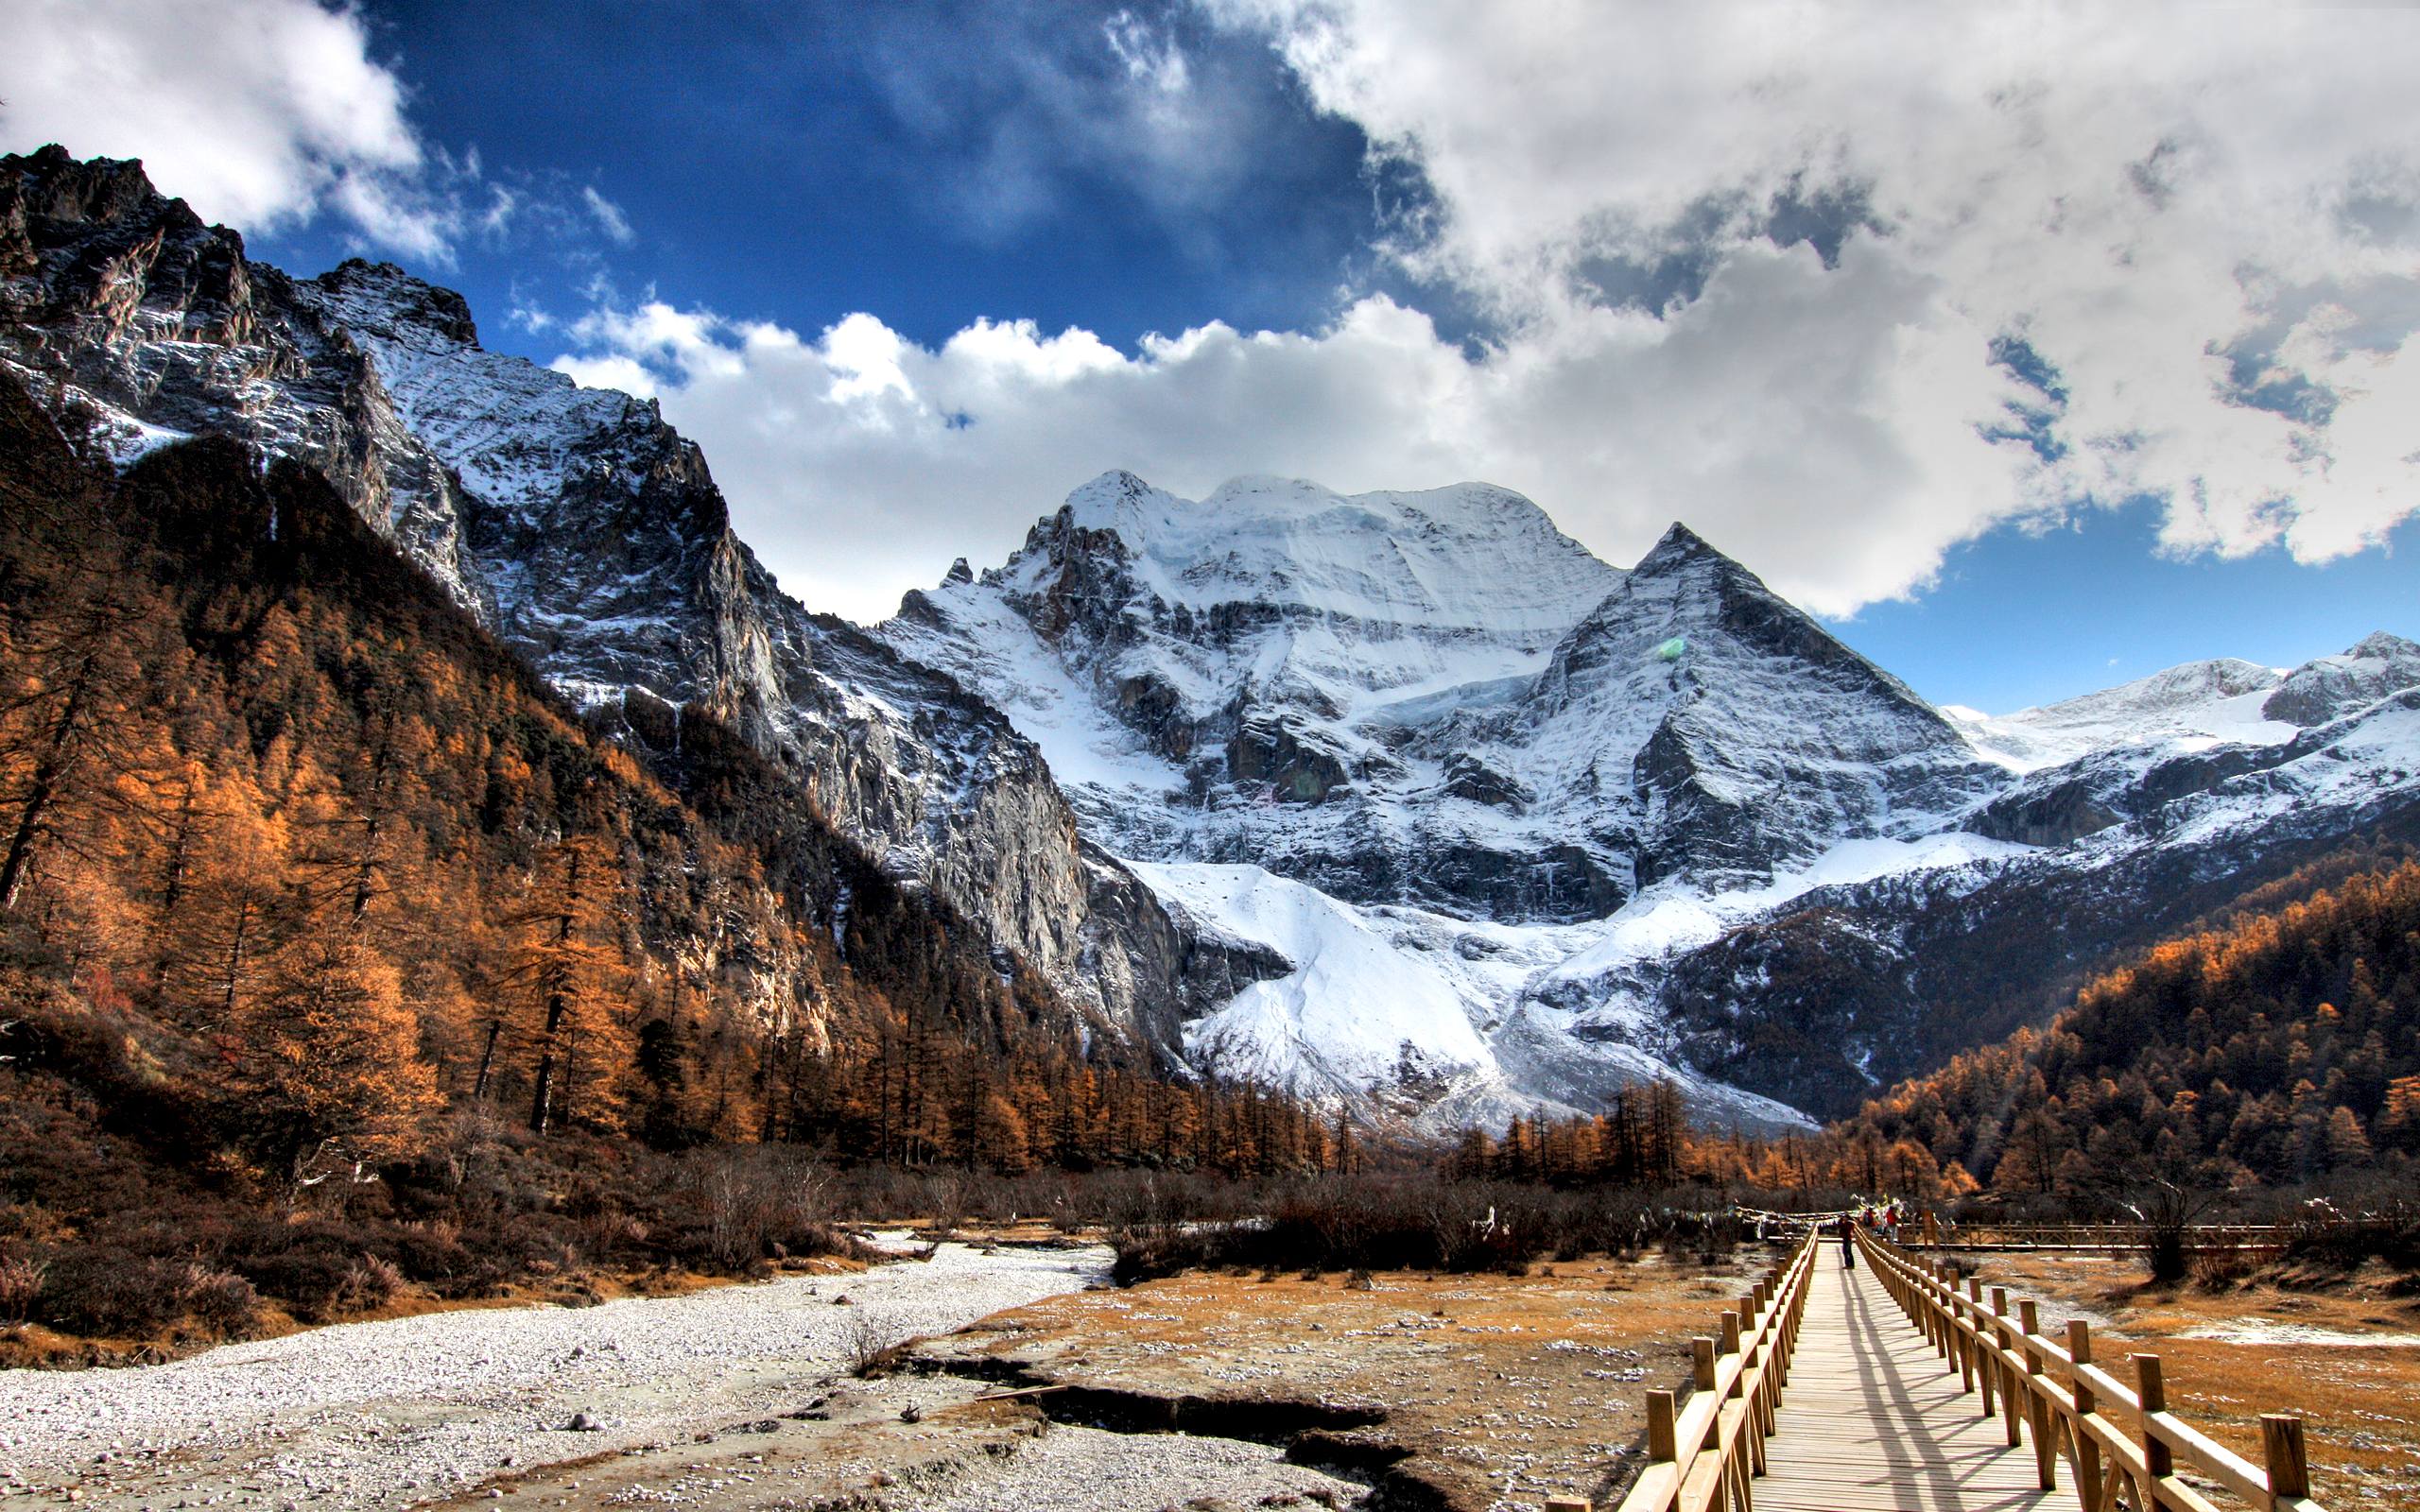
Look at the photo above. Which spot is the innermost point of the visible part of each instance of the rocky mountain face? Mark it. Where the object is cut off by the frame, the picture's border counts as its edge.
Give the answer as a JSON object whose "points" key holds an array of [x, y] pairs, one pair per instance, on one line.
{"points": [[1248, 679], [1402, 798], [1434, 699], [1820, 999], [1730, 735], [583, 531], [1573, 825], [2334, 686]]}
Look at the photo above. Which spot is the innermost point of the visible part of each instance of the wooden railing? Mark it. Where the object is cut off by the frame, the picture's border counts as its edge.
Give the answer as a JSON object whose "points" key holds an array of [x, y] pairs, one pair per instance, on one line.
{"points": [[1700, 1455], [2119, 1441], [2095, 1236]]}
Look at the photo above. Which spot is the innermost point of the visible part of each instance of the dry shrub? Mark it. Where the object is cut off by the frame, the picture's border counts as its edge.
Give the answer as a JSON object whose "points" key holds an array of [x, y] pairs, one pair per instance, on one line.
{"points": [[2220, 1270], [762, 1202], [109, 1294], [871, 1345], [220, 1301], [369, 1283], [20, 1281]]}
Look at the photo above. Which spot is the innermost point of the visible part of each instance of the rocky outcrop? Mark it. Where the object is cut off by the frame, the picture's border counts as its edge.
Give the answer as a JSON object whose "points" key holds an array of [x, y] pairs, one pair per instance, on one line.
{"points": [[1754, 739], [2334, 686]]}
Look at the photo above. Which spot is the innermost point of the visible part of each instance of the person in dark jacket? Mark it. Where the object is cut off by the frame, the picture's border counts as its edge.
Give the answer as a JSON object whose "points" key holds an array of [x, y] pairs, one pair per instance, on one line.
{"points": [[1848, 1244]]}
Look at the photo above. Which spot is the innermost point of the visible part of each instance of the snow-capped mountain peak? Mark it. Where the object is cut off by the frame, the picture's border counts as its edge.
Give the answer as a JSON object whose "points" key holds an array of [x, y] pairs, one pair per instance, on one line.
{"points": [[1467, 556]]}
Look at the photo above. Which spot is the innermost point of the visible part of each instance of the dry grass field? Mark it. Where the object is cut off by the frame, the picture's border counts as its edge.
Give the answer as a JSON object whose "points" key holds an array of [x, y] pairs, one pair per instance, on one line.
{"points": [[1492, 1390]]}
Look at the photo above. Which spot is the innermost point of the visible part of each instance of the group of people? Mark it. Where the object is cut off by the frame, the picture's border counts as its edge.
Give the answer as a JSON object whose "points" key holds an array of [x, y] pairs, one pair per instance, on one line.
{"points": [[1882, 1218], [1874, 1218]]}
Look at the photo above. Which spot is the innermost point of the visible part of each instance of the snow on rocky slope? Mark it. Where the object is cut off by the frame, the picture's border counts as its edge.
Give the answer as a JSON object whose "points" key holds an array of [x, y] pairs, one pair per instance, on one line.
{"points": [[2199, 704], [1509, 854], [1246, 678], [1399, 797], [1431, 698]]}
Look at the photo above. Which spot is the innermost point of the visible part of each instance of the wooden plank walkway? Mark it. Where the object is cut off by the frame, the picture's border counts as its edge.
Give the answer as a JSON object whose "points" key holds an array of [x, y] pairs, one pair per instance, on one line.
{"points": [[1873, 1420]]}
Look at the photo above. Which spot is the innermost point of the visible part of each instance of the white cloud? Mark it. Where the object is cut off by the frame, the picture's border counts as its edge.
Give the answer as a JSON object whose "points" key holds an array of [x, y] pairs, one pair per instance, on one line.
{"points": [[860, 463], [610, 217], [258, 112], [2167, 209], [2132, 190]]}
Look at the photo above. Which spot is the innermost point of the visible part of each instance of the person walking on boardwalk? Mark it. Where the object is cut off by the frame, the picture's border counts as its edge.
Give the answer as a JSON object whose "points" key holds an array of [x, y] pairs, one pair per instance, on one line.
{"points": [[1848, 1244]]}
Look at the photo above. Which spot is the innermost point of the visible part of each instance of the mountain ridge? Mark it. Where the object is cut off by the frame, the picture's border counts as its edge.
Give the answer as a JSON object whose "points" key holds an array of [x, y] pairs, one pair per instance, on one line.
{"points": [[1174, 754]]}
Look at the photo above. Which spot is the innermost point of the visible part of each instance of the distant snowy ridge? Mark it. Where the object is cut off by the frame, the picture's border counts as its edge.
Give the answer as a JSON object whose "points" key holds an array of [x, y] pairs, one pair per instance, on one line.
{"points": [[2211, 701]]}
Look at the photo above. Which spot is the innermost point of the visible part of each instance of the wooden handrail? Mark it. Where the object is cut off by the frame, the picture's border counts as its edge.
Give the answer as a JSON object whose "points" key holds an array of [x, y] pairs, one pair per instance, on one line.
{"points": [[2114, 1436], [2113, 1236], [1700, 1455]]}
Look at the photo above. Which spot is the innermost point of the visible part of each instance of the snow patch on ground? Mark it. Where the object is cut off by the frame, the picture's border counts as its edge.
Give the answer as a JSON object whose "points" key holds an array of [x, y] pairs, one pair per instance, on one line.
{"points": [[1355, 1012], [2269, 1330]]}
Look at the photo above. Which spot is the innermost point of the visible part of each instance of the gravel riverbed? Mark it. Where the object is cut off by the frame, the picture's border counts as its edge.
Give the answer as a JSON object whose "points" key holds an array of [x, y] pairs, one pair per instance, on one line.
{"points": [[393, 1413], [1084, 1469]]}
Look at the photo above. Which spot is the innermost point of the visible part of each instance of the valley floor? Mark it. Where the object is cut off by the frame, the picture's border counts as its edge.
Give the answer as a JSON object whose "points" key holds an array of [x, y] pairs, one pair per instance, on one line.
{"points": [[1494, 1391], [1484, 1390], [1037, 1388]]}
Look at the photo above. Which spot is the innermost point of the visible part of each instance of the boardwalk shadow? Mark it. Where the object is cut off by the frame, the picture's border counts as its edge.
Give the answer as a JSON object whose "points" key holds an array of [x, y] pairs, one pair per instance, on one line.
{"points": [[1940, 1452]]}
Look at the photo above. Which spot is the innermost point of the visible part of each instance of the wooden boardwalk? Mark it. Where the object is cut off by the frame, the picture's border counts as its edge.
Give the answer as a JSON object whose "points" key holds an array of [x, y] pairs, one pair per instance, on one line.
{"points": [[1873, 1420]]}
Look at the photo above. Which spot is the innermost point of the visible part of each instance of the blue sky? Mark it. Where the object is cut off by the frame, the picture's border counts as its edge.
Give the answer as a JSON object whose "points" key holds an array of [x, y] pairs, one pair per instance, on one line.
{"points": [[800, 163], [2036, 355], [2026, 618]]}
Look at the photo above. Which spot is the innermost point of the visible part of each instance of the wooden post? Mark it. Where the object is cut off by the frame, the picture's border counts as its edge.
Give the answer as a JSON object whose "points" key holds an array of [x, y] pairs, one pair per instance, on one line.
{"points": [[2281, 1449], [2087, 1448], [2157, 1463], [1569, 1504], [2037, 1407], [1986, 1371], [1959, 1345], [1702, 1350], [2010, 1415], [1663, 1430], [1732, 1323], [1933, 1323]]}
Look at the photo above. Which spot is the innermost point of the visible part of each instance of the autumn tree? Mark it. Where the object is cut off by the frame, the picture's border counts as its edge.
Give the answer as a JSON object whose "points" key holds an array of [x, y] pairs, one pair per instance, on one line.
{"points": [[572, 980], [334, 1061]]}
